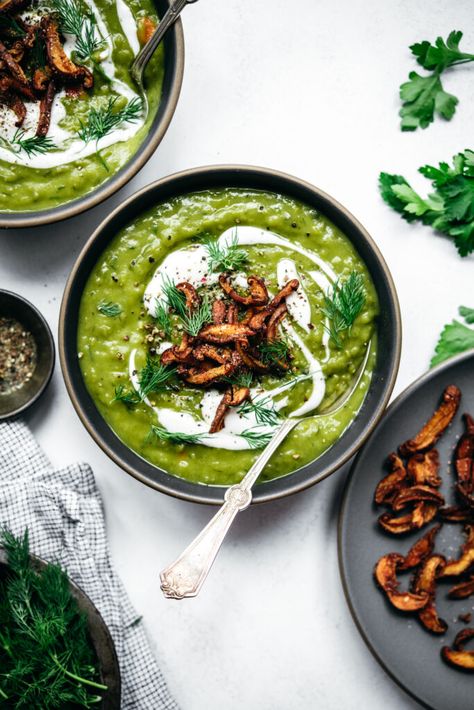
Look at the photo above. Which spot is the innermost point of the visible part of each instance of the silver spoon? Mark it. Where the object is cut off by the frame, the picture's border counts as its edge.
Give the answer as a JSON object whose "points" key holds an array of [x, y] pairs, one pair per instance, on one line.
{"points": [[146, 52], [185, 576]]}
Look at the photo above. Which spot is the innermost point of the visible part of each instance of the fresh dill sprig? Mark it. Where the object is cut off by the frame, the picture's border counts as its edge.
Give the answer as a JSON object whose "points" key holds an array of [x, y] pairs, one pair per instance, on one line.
{"points": [[107, 308], [263, 409], [342, 305], [47, 660], [12, 26], [175, 299], [175, 437], [274, 352], [75, 21], [103, 120], [225, 258], [31, 145], [153, 377], [193, 322], [163, 319], [256, 439], [241, 379], [128, 397]]}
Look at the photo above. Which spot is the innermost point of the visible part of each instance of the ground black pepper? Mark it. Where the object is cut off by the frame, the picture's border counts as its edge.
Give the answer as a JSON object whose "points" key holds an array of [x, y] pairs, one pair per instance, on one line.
{"points": [[18, 355]]}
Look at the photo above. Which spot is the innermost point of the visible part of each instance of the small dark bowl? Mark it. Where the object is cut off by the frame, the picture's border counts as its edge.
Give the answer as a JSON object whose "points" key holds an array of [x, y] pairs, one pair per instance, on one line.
{"points": [[99, 635], [173, 78], [389, 329], [14, 306]]}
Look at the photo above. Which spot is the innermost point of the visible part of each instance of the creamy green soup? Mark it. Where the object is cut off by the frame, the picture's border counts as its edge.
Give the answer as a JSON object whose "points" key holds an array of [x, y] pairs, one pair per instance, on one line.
{"points": [[72, 167], [282, 239]]}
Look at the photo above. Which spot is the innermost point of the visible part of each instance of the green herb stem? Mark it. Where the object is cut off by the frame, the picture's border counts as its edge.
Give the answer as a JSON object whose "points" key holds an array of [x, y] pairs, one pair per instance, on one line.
{"points": [[75, 677]]}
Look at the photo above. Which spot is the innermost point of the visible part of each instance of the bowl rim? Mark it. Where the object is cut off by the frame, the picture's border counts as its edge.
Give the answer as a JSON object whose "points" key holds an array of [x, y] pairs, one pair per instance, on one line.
{"points": [[193, 491], [43, 325], [21, 220], [99, 632]]}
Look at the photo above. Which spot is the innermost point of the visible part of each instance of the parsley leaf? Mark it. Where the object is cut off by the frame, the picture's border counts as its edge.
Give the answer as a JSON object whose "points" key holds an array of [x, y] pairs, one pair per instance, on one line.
{"points": [[449, 209], [455, 337], [424, 96]]}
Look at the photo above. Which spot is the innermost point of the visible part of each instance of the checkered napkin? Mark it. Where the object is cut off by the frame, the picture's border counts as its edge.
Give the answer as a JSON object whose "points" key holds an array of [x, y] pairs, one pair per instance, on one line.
{"points": [[63, 512]]}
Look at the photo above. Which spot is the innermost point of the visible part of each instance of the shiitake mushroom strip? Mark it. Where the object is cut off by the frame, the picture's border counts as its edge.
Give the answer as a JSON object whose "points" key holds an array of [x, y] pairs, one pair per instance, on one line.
{"points": [[456, 567], [421, 514], [58, 60], [386, 576], [416, 494], [46, 105], [462, 590], [421, 549], [233, 397], [391, 484], [423, 468], [457, 656], [436, 426], [425, 582]]}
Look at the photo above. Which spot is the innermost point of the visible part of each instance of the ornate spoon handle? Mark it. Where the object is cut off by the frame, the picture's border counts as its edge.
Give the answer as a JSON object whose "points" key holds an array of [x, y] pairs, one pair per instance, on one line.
{"points": [[185, 576], [146, 52]]}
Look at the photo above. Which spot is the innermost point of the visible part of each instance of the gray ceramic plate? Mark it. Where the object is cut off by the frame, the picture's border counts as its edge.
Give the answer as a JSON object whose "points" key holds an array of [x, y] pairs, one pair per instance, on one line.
{"points": [[405, 650]]}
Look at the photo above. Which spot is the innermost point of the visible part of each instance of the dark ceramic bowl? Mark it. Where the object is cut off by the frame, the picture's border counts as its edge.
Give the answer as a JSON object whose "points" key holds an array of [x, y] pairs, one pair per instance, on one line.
{"points": [[100, 638], [389, 329], [17, 307], [173, 77]]}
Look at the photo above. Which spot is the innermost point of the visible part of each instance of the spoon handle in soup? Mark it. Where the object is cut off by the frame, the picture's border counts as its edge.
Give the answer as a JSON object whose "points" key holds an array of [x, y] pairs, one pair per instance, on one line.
{"points": [[146, 52], [185, 576]]}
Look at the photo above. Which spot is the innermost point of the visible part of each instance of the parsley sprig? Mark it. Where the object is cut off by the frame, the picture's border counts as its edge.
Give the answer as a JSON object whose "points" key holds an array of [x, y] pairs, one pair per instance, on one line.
{"points": [[449, 209], [225, 258], [455, 337], [424, 96], [342, 304]]}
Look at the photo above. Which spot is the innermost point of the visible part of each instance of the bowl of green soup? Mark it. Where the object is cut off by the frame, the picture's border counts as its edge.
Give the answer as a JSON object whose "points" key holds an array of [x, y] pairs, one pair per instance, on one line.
{"points": [[211, 305], [74, 126]]}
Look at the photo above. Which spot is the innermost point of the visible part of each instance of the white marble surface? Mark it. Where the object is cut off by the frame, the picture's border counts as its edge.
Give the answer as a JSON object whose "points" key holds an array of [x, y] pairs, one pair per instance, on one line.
{"points": [[309, 87]]}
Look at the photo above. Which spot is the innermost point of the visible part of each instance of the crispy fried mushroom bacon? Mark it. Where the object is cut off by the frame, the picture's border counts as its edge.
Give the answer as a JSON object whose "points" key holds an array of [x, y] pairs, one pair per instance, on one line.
{"points": [[386, 576], [13, 66], [58, 60], [464, 456], [417, 494], [190, 294], [274, 321], [463, 590], [421, 549], [423, 468], [456, 567], [46, 105], [457, 656], [205, 377], [258, 294], [11, 5], [219, 312], [225, 333], [422, 514], [233, 397], [206, 351], [457, 514], [425, 582], [286, 291], [437, 425], [391, 484]]}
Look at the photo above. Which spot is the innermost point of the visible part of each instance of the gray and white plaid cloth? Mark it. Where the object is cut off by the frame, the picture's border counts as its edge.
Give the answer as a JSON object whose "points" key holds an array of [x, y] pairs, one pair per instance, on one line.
{"points": [[64, 515]]}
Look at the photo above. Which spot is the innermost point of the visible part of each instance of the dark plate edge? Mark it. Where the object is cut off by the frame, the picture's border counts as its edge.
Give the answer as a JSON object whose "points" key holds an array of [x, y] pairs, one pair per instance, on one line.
{"points": [[398, 401]]}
